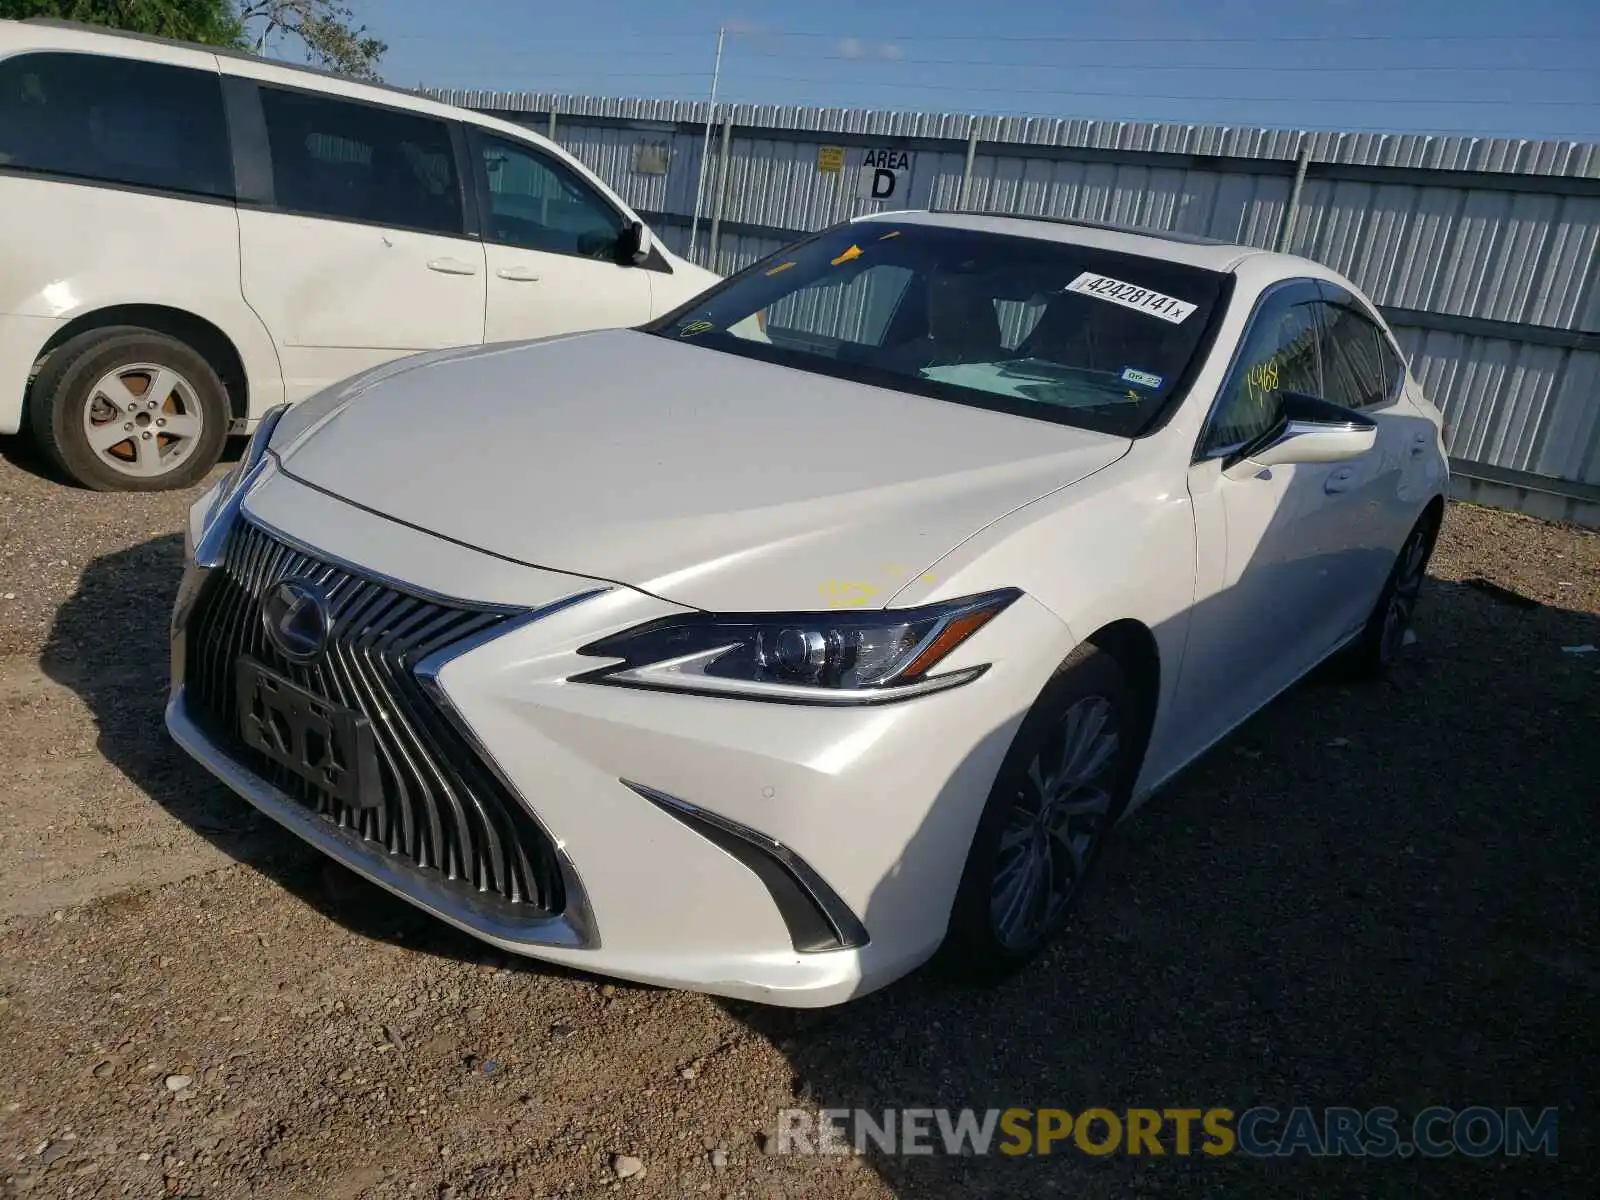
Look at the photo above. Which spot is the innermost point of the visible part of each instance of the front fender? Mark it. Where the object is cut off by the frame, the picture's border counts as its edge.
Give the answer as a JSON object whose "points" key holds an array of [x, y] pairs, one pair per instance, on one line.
{"points": [[1118, 545]]}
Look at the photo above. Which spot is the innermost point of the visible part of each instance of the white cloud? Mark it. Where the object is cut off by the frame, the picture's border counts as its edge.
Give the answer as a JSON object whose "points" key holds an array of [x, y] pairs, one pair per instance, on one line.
{"points": [[855, 48]]}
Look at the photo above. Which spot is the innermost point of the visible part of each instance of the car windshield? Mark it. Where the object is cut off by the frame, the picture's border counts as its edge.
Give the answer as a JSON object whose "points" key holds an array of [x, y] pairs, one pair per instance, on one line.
{"points": [[1040, 328]]}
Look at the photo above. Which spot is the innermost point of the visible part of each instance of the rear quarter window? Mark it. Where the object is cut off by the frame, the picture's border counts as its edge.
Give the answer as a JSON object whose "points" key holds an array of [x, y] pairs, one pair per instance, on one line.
{"points": [[115, 120]]}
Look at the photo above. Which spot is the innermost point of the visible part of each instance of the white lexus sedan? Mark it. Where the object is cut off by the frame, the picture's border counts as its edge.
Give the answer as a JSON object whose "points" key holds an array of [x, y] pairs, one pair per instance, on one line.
{"points": [[824, 626]]}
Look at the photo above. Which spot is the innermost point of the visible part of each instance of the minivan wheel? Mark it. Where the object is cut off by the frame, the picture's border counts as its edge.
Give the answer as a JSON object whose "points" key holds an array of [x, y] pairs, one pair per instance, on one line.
{"points": [[128, 409], [1063, 784]]}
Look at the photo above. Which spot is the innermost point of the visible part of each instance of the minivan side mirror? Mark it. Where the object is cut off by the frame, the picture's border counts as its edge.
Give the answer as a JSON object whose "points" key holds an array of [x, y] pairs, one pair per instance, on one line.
{"points": [[635, 244], [1309, 430]]}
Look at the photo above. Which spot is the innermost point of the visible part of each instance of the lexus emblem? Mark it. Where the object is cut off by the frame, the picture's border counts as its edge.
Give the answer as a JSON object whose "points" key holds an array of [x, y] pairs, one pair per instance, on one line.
{"points": [[295, 613]]}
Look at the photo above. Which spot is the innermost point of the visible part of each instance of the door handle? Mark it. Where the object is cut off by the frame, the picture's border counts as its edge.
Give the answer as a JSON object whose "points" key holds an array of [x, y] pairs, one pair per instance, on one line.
{"points": [[1341, 480], [1419, 443], [518, 274], [451, 266]]}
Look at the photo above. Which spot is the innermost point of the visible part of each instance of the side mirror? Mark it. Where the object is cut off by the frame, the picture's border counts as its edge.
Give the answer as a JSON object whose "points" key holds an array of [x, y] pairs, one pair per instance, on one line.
{"points": [[635, 244], [1309, 430]]}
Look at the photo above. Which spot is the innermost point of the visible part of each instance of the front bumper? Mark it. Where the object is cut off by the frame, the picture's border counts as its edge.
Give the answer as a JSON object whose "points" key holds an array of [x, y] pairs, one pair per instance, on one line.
{"points": [[696, 833]]}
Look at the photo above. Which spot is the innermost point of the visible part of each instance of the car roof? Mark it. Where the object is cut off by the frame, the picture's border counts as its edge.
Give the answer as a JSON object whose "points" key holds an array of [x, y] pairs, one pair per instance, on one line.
{"points": [[1208, 253], [131, 35], [51, 33]]}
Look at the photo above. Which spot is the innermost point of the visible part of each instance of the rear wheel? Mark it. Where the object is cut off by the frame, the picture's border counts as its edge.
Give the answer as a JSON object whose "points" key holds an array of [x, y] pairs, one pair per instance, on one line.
{"points": [[1062, 786], [128, 409], [1380, 643]]}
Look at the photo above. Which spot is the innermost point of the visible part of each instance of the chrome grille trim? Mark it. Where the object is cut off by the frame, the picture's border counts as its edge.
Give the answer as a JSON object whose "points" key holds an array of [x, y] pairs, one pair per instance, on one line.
{"points": [[447, 812]]}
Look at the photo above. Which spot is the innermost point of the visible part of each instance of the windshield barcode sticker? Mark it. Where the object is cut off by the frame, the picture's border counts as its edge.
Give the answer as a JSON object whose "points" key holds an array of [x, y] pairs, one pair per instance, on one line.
{"points": [[1129, 295]]}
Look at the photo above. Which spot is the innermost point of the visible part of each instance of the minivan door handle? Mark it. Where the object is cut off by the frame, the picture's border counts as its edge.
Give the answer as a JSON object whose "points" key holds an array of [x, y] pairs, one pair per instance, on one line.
{"points": [[451, 266], [518, 274]]}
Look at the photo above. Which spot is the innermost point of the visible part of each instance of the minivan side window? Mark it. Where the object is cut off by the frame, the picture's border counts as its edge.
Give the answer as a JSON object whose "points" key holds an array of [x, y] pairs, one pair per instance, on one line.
{"points": [[361, 162], [537, 203], [1362, 369], [115, 120], [1279, 355]]}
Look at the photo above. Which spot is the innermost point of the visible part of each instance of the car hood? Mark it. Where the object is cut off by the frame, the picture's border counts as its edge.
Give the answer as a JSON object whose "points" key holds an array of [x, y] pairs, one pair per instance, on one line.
{"points": [[706, 478]]}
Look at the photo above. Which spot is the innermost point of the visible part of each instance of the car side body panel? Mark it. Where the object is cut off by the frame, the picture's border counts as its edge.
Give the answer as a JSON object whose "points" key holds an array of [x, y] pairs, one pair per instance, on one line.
{"points": [[1104, 550], [127, 247]]}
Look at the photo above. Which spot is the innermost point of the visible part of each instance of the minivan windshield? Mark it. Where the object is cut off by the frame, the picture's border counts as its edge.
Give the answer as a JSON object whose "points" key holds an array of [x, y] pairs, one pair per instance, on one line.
{"points": [[1062, 332]]}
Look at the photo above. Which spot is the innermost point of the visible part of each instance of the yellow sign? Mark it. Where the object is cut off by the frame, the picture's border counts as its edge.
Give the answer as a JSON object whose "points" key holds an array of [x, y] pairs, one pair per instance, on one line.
{"points": [[830, 159]]}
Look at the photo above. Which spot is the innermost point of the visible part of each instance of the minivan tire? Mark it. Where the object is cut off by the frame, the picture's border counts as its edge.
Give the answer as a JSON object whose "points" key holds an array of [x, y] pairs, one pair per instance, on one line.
{"points": [[71, 391]]}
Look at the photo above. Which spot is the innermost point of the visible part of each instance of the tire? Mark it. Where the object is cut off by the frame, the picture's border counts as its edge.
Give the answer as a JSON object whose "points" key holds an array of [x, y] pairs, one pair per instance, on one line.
{"points": [[98, 383], [980, 947], [1376, 650]]}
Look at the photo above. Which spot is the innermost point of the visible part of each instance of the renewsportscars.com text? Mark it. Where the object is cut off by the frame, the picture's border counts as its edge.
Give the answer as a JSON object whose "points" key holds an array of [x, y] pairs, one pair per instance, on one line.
{"points": [[1259, 1132]]}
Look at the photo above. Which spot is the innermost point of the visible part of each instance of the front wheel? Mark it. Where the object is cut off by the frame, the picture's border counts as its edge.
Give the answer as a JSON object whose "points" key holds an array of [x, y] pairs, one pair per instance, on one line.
{"points": [[129, 409], [1062, 786]]}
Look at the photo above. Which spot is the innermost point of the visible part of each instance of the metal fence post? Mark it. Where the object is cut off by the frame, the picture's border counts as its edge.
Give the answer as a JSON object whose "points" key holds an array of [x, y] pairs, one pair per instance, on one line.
{"points": [[552, 133], [722, 192], [966, 172], [1302, 159]]}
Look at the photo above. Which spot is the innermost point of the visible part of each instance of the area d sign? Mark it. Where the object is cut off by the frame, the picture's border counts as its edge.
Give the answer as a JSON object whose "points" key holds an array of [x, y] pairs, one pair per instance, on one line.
{"points": [[884, 174]]}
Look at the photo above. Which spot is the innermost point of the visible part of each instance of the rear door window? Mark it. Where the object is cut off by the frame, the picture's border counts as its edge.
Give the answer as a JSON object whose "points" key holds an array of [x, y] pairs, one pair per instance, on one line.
{"points": [[361, 162], [115, 120]]}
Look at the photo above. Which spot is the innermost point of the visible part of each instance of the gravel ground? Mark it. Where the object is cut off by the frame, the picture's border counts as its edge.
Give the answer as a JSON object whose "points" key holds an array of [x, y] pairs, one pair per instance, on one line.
{"points": [[1376, 894]]}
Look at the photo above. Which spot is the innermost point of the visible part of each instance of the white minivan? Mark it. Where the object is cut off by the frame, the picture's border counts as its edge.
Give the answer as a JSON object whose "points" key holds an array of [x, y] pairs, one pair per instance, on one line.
{"points": [[193, 236]]}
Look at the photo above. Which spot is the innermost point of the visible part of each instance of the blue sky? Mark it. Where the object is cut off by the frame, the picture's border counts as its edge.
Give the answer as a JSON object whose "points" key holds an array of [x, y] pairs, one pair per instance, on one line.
{"points": [[1529, 68]]}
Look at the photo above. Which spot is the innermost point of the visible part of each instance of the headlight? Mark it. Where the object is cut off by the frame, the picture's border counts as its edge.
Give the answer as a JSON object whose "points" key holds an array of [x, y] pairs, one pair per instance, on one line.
{"points": [[810, 657], [229, 490]]}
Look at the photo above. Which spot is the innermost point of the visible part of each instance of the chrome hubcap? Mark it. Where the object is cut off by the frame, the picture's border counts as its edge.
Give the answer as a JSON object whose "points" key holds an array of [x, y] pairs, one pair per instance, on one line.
{"points": [[1056, 818], [1410, 571], [143, 419]]}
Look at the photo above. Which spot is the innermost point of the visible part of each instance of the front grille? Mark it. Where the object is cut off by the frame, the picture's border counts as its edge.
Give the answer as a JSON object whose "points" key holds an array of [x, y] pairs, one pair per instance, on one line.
{"points": [[443, 809]]}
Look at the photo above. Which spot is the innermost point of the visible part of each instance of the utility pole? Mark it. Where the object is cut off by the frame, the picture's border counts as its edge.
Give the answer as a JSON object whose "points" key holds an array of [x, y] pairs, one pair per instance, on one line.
{"points": [[705, 145]]}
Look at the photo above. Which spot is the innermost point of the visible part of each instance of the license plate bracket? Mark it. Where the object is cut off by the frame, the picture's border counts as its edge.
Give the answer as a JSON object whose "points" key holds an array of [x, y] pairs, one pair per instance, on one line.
{"points": [[330, 746]]}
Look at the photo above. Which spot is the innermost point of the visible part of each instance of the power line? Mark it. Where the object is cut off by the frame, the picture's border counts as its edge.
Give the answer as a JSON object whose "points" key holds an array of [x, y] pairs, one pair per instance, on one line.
{"points": [[710, 35], [1144, 95], [879, 61], [1495, 38]]}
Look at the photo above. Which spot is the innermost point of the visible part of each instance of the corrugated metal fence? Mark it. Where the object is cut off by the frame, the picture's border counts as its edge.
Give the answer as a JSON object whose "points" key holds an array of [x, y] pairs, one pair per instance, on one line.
{"points": [[1483, 253]]}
